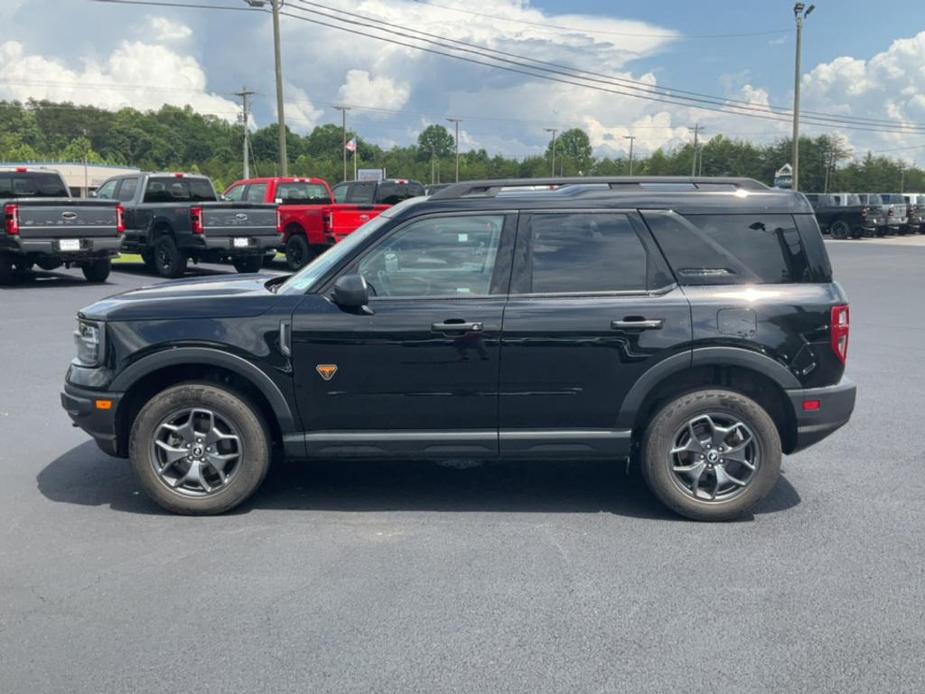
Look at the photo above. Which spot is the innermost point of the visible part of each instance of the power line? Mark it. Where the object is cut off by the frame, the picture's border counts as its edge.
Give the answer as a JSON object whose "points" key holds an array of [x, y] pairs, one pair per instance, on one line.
{"points": [[558, 27], [565, 77]]}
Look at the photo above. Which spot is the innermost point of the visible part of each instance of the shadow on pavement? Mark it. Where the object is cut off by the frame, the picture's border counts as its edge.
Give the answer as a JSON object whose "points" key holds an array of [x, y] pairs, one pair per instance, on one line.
{"points": [[192, 270], [41, 279], [87, 477]]}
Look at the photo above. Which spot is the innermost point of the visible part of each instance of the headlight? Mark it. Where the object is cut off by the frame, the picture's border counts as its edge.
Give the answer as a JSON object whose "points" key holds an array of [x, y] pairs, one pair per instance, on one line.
{"points": [[89, 337]]}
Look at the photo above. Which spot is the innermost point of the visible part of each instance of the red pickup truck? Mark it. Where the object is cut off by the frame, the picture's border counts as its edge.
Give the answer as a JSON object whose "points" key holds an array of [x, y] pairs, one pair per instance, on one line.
{"points": [[310, 218]]}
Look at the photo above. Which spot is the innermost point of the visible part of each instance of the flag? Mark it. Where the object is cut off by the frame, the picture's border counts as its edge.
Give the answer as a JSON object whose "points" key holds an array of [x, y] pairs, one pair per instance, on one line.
{"points": [[352, 145]]}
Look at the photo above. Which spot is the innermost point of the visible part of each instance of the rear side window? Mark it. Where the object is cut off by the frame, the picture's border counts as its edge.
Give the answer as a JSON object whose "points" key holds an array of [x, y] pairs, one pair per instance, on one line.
{"points": [[173, 189], [584, 252], [127, 189], [734, 249], [393, 193], [361, 193], [302, 194], [256, 192]]}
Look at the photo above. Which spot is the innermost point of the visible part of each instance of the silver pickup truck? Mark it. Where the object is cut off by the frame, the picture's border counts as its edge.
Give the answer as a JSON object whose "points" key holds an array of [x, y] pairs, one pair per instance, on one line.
{"points": [[171, 218], [44, 226]]}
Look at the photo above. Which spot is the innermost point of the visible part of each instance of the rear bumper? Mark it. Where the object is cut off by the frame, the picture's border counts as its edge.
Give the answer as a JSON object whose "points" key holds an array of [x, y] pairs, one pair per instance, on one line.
{"points": [[256, 245], [836, 403], [91, 247], [82, 406]]}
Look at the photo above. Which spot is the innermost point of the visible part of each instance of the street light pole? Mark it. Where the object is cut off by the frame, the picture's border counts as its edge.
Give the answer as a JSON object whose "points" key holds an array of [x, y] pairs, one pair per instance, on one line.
{"points": [[456, 122], [632, 139], [800, 12], [343, 126], [554, 132], [277, 56], [696, 130]]}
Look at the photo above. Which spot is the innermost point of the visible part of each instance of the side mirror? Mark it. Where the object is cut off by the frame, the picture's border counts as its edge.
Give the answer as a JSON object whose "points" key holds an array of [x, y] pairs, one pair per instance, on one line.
{"points": [[92, 194], [351, 292]]}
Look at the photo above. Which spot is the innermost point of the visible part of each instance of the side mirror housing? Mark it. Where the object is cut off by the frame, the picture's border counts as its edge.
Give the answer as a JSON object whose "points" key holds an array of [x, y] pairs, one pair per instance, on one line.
{"points": [[350, 292]]}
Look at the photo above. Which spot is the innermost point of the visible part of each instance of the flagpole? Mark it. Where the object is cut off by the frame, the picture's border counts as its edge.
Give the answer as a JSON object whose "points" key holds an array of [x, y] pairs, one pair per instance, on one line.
{"points": [[355, 152]]}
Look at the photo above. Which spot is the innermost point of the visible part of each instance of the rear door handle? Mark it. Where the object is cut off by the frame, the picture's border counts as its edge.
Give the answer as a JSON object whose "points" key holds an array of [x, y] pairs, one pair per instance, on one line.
{"points": [[457, 326], [637, 324]]}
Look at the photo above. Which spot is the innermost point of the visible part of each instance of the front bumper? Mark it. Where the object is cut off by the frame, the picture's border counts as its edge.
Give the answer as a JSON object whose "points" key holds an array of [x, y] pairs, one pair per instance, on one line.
{"points": [[105, 247], [87, 410], [835, 405]]}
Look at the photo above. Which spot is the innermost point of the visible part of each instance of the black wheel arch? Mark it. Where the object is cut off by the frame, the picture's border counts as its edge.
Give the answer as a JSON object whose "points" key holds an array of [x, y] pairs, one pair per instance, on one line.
{"points": [[752, 374], [153, 373]]}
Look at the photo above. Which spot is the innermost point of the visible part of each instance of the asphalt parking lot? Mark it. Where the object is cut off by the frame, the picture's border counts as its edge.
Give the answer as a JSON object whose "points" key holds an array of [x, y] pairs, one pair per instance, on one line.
{"points": [[412, 577]]}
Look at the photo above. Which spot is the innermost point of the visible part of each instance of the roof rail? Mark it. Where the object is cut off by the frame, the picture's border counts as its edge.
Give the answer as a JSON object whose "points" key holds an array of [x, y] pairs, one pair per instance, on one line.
{"points": [[491, 188]]}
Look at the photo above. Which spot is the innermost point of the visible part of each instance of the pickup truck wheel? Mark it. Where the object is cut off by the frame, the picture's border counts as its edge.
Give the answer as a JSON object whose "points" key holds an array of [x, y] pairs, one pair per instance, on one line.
{"points": [[97, 270], [148, 258], [168, 260], [199, 449], [840, 230], [298, 253], [248, 263], [8, 274], [711, 455]]}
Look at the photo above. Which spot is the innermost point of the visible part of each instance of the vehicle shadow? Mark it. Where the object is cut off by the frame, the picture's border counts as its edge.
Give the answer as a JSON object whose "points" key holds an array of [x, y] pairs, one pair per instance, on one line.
{"points": [[42, 279], [87, 477], [192, 270]]}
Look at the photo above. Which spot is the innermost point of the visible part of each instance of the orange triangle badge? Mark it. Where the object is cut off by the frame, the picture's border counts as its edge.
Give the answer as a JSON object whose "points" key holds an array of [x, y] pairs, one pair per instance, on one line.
{"points": [[326, 371]]}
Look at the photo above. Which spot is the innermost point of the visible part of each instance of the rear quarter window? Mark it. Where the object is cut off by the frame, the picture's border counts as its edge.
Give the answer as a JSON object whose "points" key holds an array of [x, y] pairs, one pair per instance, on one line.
{"points": [[741, 248]]}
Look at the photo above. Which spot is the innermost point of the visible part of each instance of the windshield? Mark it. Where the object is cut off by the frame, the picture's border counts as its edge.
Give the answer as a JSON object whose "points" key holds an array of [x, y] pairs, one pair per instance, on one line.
{"points": [[304, 279]]}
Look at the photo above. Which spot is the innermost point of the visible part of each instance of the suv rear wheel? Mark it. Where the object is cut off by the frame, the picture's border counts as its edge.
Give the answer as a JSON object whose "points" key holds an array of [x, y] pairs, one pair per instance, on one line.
{"points": [[199, 449], [711, 455]]}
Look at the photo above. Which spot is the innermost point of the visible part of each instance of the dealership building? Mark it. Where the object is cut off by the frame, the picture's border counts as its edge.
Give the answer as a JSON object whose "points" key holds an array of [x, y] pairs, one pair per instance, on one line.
{"points": [[81, 179]]}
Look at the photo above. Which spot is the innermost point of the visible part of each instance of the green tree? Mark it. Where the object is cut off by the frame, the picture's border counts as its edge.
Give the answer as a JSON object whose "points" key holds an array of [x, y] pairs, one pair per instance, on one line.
{"points": [[435, 141]]}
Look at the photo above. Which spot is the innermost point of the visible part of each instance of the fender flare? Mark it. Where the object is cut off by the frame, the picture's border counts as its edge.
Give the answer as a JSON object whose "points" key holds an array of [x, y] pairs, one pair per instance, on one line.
{"points": [[211, 357], [702, 356]]}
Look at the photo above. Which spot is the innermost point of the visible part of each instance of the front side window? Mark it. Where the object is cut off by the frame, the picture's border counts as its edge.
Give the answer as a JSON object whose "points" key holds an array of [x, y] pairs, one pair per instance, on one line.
{"points": [[235, 193], [436, 257], [340, 193], [107, 191], [585, 252], [732, 249]]}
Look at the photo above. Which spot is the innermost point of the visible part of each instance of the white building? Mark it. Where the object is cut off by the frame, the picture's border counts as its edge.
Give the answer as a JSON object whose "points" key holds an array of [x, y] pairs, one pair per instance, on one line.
{"points": [[81, 179]]}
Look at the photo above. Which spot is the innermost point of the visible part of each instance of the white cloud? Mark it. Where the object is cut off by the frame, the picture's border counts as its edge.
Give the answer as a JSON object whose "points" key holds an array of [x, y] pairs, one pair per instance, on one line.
{"points": [[373, 92], [135, 74], [166, 30], [301, 114]]}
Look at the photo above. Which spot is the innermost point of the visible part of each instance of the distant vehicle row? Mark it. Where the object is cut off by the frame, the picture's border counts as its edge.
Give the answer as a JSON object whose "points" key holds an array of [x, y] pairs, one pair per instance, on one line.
{"points": [[172, 218], [854, 215]]}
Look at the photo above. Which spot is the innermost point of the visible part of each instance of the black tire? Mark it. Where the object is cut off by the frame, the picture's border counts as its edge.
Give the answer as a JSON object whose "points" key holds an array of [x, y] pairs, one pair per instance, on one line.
{"points": [[243, 418], [168, 260], [660, 438], [8, 273], [147, 258], [248, 263], [840, 230], [298, 252], [97, 270]]}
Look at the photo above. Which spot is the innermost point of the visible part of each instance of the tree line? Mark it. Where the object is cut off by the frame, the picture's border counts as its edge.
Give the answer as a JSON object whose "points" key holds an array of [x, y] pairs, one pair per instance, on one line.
{"points": [[174, 138]]}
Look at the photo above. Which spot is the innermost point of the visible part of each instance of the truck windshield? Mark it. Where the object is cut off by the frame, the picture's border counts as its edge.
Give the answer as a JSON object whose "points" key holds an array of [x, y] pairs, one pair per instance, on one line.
{"points": [[305, 279], [32, 185]]}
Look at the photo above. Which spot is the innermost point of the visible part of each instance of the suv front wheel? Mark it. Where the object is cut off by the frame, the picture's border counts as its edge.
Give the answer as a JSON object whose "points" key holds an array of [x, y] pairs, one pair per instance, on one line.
{"points": [[711, 455], [199, 449]]}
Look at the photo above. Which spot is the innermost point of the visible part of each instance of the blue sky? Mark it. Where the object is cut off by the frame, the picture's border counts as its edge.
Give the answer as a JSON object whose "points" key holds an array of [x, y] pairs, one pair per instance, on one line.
{"points": [[859, 62]]}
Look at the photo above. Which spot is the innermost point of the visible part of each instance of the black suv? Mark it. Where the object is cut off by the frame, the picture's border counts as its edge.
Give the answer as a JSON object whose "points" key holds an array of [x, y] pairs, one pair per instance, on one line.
{"points": [[691, 325]]}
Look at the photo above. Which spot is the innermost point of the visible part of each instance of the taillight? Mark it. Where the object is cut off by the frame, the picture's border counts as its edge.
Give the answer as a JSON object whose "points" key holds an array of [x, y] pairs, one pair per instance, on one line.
{"points": [[279, 221], [120, 219], [195, 215], [865, 211], [11, 219], [840, 328], [328, 221]]}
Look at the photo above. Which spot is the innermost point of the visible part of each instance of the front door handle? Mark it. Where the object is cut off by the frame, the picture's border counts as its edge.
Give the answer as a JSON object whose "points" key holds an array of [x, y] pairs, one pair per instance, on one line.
{"points": [[633, 323], [456, 326]]}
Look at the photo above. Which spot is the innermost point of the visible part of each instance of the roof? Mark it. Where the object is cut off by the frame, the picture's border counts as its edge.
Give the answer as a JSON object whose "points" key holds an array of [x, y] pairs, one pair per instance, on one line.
{"points": [[683, 194]]}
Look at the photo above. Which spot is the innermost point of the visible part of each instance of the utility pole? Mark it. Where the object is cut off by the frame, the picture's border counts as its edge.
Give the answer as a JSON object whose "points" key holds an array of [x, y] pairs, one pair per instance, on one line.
{"points": [[245, 95], [696, 130], [800, 12], [902, 178], [456, 122], [632, 139], [277, 55], [554, 132], [343, 126]]}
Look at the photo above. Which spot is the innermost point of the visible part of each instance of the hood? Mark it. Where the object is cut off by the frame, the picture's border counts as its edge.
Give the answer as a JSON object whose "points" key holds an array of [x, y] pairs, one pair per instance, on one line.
{"points": [[226, 296]]}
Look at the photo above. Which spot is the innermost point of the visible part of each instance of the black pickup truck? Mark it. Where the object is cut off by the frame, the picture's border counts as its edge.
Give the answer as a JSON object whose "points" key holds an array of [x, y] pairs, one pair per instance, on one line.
{"points": [[171, 218], [44, 226], [844, 215]]}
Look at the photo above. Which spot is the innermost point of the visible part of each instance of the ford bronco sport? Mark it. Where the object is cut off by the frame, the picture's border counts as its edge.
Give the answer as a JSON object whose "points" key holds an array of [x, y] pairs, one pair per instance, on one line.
{"points": [[690, 325]]}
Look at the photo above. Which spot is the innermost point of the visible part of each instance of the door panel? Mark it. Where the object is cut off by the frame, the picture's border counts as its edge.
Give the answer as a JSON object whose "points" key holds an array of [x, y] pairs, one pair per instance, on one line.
{"points": [[593, 306]]}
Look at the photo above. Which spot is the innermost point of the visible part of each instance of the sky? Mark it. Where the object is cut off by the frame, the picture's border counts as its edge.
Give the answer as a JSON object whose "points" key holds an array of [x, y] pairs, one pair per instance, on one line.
{"points": [[860, 60]]}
